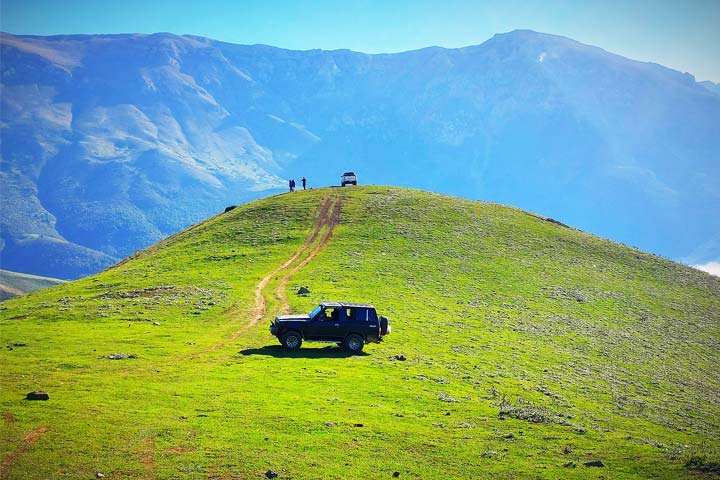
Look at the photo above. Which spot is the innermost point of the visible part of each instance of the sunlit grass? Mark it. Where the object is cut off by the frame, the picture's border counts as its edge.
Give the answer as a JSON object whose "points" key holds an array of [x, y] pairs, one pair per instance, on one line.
{"points": [[531, 349]]}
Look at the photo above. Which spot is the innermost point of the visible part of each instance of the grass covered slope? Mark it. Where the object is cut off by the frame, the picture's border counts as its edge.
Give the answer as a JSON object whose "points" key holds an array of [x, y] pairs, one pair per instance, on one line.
{"points": [[531, 349]]}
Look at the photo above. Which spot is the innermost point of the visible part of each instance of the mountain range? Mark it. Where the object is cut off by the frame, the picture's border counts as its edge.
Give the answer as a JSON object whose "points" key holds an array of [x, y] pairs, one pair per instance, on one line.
{"points": [[112, 142]]}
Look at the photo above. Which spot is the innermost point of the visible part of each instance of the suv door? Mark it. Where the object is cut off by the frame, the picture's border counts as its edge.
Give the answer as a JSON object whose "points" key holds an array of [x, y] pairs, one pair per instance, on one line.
{"points": [[313, 330], [356, 321], [326, 325]]}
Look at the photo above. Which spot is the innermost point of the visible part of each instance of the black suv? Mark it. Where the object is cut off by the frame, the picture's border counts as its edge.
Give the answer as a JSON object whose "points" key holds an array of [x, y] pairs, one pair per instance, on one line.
{"points": [[351, 325]]}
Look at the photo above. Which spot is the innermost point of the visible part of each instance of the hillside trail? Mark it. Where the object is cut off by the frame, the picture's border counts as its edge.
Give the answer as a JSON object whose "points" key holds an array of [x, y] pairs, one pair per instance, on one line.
{"points": [[330, 221], [327, 220], [28, 441], [148, 458], [328, 217]]}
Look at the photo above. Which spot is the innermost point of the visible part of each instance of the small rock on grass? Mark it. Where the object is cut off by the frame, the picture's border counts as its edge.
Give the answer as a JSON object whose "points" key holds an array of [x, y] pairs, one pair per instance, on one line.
{"points": [[399, 358], [396, 474], [119, 356], [594, 463], [303, 291], [99, 475], [38, 395], [271, 474]]}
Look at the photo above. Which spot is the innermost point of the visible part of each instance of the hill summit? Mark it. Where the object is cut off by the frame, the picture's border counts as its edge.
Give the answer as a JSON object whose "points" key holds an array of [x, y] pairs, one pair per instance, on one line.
{"points": [[521, 348]]}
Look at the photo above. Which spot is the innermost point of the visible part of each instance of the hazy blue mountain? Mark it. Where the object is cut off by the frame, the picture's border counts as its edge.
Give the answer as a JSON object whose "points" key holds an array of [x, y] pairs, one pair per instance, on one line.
{"points": [[110, 142], [712, 86]]}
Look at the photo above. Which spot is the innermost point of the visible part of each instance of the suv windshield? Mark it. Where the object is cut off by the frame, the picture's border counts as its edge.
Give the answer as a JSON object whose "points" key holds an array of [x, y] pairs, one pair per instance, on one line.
{"points": [[315, 311]]}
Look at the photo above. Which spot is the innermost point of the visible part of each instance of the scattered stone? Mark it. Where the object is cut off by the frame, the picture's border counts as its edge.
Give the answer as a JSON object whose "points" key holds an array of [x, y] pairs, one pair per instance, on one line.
{"points": [[271, 474], [464, 425], [594, 463], [396, 474], [303, 291], [399, 358], [38, 395], [330, 424], [570, 464], [231, 207], [358, 425], [156, 323], [119, 356], [444, 397], [99, 475], [524, 410]]}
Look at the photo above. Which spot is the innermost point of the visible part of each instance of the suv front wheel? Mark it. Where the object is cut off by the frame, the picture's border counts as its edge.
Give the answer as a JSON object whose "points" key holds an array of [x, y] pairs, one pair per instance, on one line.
{"points": [[291, 340], [354, 343]]}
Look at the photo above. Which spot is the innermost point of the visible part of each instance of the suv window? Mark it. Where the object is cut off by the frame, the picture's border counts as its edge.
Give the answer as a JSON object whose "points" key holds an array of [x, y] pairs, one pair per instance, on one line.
{"points": [[332, 314], [362, 314]]}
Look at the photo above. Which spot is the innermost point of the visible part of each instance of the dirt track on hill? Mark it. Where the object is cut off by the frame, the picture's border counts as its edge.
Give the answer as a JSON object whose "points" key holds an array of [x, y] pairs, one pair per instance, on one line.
{"points": [[28, 441], [328, 218], [148, 457]]}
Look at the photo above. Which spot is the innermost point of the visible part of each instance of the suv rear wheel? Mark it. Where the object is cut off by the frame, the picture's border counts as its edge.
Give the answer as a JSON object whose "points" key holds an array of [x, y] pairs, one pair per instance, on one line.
{"points": [[354, 343], [292, 340]]}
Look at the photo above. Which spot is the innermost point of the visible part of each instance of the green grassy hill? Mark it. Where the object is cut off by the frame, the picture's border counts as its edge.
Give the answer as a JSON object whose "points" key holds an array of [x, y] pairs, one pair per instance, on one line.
{"points": [[531, 348], [13, 284]]}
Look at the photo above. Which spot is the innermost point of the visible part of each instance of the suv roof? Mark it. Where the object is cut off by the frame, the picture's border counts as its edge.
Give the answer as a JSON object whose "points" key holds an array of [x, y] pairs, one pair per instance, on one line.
{"points": [[346, 304], [348, 173]]}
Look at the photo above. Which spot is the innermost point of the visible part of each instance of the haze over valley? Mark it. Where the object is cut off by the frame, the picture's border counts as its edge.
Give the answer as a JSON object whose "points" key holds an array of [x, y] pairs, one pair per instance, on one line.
{"points": [[112, 142]]}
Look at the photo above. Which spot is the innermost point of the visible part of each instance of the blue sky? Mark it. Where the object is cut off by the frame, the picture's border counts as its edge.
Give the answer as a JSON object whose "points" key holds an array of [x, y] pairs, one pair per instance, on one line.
{"points": [[684, 35]]}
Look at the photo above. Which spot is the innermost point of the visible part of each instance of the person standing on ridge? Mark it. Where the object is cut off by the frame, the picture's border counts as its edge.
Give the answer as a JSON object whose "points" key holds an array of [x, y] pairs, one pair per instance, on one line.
{"points": [[290, 184], [304, 182]]}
